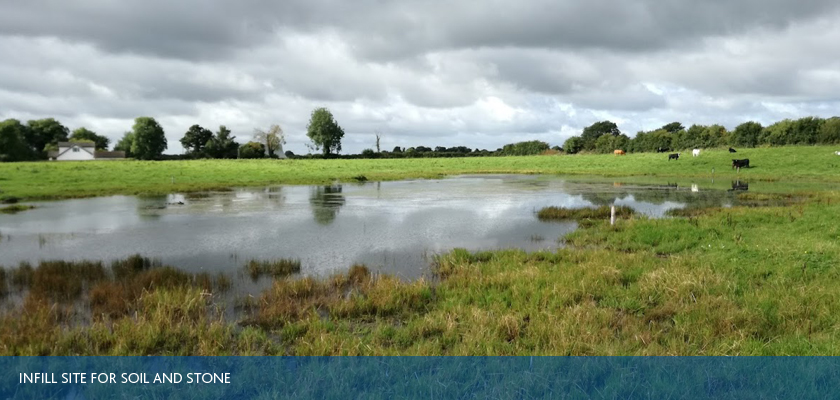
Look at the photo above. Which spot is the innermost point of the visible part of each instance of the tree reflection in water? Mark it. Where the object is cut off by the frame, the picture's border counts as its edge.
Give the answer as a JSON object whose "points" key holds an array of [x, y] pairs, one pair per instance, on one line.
{"points": [[326, 201]]}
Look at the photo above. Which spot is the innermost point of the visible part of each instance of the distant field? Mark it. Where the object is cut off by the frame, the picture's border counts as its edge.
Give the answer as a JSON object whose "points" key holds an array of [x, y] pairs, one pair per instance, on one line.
{"points": [[52, 180]]}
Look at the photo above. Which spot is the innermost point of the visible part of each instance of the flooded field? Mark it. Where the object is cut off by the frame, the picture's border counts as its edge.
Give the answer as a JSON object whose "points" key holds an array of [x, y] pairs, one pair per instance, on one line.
{"points": [[392, 227]]}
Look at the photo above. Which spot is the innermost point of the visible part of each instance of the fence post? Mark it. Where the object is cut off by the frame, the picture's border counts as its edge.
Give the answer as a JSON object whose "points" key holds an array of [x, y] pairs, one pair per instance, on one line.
{"points": [[612, 215]]}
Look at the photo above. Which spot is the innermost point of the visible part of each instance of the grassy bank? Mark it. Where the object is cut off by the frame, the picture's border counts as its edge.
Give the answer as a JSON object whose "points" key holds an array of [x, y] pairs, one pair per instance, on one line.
{"points": [[51, 180], [749, 280]]}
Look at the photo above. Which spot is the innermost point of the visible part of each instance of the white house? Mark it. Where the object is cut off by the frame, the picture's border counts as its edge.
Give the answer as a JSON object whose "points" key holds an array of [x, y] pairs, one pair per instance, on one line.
{"points": [[80, 151]]}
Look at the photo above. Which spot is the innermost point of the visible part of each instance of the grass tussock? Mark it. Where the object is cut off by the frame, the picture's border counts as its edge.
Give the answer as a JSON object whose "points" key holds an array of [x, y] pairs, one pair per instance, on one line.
{"points": [[15, 208], [3, 282], [354, 295], [562, 213], [275, 268]]}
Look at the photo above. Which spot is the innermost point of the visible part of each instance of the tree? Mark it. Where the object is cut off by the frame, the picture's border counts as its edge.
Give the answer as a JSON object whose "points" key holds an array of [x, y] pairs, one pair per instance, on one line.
{"points": [[397, 149], [593, 132], [149, 139], [273, 138], [609, 143], [673, 127], [573, 145], [747, 134], [195, 140], [252, 150], [43, 132], [125, 144], [222, 145], [378, 137], [829, 131], [324, 131], [13, 144], [529, 148], [82, 134]]}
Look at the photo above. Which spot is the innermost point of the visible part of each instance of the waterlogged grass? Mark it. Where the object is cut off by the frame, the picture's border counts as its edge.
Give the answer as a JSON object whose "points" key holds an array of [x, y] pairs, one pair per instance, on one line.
{"points": [[724, 281], [274, 268], [52, 180], [15, 208], [562, 213]]}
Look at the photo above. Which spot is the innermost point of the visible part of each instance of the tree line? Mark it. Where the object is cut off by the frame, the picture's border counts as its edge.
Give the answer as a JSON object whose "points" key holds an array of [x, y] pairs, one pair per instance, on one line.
{"points": [[147, 140], [605, 137]]}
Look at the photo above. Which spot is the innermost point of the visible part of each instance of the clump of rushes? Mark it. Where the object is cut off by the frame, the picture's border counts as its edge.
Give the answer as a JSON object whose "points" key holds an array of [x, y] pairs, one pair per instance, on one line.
{"points": [[355, 295], [275, 269], [3, 290], [16, 208], [562, 213]]}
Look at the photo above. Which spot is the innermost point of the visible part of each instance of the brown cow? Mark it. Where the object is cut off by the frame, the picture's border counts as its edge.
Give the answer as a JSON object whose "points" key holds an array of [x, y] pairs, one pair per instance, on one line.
{"points": [[619, 152]]}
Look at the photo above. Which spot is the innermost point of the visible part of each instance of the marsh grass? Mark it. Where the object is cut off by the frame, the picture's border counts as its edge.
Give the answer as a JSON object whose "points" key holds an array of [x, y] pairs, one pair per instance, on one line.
{"points": [[732, 281], [274, 268], [15, 208], [562, 213], [3, 283]]}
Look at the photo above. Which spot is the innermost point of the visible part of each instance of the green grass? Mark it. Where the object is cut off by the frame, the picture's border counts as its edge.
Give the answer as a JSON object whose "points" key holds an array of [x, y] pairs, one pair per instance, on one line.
{"points": [[14, 209], [562, 213], [52, 180]]}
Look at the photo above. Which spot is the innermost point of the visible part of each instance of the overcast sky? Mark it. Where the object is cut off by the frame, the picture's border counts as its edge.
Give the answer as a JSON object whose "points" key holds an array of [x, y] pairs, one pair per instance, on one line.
{"points": [[422, 72]]}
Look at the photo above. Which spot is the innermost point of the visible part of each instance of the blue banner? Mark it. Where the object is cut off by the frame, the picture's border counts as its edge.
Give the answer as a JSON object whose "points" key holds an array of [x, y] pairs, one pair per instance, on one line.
{"points": [[419, 377]]}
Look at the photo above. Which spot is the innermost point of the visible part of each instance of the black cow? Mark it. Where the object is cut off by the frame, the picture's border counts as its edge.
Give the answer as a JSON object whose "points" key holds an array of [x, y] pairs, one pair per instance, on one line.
{"points": [[731, 150], [745, 163], [662, 149], [674, 156]]}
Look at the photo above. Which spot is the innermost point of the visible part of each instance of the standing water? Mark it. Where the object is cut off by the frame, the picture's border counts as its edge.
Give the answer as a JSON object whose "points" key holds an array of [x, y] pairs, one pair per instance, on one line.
{"points": [[393, 227]]}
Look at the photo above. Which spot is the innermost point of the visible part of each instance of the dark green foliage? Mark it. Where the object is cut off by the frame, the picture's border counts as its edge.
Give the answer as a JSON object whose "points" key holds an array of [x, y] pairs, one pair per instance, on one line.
{"points": [[747, 134], [673, 127], [149, 139], [529, 148], [84, 134], [609, 143], [573, 145], [43, 132], [252, 150], [125, 144], [13, 144], [195, 140], [829, 131], [593, 132], [325, 132], [222, 145]]}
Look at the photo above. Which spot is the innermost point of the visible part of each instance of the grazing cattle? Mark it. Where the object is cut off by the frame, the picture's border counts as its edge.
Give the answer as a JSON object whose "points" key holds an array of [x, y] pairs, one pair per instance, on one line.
{"points": [[619, 152], [661, 150], [695, 152], [745, 163], [731, 150], [674, 156], [837, 152]]}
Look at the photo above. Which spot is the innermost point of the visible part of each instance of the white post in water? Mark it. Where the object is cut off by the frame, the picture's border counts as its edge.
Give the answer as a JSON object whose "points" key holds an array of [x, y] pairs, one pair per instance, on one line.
{"points": [[612, 215]]}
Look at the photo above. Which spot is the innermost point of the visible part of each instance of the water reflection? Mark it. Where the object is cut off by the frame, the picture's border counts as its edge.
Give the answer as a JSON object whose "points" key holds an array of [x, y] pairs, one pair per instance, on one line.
{"points": [[326, 201], [390, 226], [739, 186]]}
